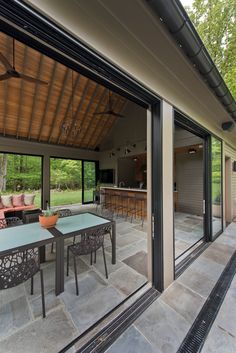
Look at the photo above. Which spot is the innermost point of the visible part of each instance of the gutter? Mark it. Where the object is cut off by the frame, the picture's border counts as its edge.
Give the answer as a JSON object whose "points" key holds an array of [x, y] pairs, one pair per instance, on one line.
{"points": [[174, 16]]}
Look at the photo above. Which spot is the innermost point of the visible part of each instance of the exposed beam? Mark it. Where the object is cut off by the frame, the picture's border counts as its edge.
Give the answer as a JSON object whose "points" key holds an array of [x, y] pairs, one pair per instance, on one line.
{"points": [[77, 81], [36, 87], [103, 94], [59, 102], [20, 106], [8, 51], [49, 95], [99, 118], [80, 105], [86, 114]]}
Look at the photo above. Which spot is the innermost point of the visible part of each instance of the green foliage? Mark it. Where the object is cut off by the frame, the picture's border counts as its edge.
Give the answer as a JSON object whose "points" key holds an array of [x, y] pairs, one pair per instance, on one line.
{"points": [[49, 212], [215, 21]]}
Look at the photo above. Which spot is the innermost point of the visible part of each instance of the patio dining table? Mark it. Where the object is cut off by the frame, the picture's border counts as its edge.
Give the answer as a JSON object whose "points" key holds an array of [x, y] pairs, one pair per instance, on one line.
{"points": [[68, 227], [32, 235]]}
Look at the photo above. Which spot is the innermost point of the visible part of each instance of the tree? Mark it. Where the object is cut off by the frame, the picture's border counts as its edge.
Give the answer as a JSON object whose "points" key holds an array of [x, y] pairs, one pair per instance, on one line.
{"points": [[3, 171], [215, 21]]}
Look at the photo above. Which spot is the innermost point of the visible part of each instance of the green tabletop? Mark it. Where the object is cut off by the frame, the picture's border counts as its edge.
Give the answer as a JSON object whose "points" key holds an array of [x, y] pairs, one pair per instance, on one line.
{"points": [[79, 222], [15, 237]]}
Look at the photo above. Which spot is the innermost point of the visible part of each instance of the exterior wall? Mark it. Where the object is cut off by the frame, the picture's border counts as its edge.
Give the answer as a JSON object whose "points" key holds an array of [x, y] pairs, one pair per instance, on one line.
{"points": [[118, 36], [231, 153], [168, 206], [189, 181]]}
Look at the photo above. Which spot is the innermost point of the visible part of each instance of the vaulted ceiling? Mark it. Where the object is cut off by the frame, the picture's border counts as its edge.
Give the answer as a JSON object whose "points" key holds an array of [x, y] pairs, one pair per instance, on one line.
{"points": [[43, 112]]}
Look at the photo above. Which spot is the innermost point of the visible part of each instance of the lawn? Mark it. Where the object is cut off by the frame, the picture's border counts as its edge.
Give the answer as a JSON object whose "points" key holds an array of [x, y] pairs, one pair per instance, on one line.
{"points": [[67, 197]]}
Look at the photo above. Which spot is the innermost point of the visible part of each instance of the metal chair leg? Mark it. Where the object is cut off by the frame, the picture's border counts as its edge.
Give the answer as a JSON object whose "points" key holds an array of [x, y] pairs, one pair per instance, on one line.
{"points": [[91, 258], [42, 294], [95, 256], [67, 259], [104, 258], [32, 286], [52, 248], [76, 279]]}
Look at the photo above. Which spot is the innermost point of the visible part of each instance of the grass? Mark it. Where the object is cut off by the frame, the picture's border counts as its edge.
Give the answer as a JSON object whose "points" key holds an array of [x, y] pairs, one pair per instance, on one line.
{"points": [[67, 197]]}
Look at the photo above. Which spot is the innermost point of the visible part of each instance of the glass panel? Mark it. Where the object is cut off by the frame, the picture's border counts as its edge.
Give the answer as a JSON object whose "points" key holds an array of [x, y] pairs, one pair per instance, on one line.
{"points": [[216, 186], [10, 239], [188, 191], [89, 181], [75, 223], [65, 182], [21, 174]]}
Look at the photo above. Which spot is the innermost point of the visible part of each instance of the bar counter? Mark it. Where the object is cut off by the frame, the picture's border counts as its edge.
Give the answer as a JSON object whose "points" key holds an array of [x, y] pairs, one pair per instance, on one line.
{"points": [[129, 202]]}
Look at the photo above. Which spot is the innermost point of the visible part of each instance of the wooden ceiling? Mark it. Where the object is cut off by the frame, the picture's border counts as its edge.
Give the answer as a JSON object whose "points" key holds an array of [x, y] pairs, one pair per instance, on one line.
{"points": [[39, 112]]}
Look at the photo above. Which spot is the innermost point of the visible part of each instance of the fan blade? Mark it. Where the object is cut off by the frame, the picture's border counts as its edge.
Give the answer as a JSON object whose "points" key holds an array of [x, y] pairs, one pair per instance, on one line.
{"points": [[32, 79], [5, 62], [110, 112], [117, 115], [5, 76]]}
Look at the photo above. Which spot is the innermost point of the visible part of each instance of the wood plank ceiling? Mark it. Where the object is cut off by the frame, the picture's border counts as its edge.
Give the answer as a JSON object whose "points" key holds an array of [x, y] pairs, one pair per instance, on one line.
{"points": [[39, 112]]}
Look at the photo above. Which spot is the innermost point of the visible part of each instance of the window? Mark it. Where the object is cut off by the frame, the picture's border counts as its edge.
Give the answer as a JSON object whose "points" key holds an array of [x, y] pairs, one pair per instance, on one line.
{"points": [[21, 174]]}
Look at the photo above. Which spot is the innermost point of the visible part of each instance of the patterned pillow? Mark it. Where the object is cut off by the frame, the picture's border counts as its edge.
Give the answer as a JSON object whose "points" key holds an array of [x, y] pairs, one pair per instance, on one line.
{"points": [[1, 205], [6, 200], [17, 200], [29, 199]]}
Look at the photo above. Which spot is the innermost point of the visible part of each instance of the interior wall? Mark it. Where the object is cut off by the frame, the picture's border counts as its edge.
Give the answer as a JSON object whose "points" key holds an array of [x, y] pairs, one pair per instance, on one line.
{"points": [[126, 172], [131, 128], [189, 182]]}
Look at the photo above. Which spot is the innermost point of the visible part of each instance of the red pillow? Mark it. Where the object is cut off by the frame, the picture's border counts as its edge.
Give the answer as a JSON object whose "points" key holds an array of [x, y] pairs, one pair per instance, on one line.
{"points": [[17, 200]]}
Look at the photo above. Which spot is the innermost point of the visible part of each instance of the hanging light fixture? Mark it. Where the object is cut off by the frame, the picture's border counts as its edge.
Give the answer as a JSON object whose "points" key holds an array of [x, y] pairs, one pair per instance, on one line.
{"points": [[68, 125]]}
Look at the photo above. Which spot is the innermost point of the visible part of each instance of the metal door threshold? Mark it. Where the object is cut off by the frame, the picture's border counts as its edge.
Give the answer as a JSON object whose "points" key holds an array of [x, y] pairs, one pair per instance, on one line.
{"points": [[104, 338]]}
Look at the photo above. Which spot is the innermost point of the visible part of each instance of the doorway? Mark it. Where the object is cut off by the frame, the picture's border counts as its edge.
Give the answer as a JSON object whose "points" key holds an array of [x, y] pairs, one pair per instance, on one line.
{"points": [[189, 190], [228, 190]]}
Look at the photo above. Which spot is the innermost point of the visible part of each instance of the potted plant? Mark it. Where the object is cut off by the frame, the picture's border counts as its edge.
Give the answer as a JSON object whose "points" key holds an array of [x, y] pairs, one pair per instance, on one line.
{"points": [[48, 218]]}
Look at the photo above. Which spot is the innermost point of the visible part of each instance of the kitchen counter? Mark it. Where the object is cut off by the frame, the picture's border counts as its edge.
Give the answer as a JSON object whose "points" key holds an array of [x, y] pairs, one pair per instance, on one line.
{"points": [[123, 189]]}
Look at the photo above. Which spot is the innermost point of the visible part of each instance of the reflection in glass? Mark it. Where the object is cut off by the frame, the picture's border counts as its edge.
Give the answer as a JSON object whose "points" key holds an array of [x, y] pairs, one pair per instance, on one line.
{"points": [[188, 191], [216, 186]]}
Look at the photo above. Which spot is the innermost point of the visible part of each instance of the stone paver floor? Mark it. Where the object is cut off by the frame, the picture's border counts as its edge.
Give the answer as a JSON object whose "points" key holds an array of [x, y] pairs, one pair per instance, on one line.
{"points": [[163, 326], [68, 315]]}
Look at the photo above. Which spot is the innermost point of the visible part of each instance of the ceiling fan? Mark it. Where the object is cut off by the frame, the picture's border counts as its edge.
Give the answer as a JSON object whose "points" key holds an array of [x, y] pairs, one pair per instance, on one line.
{"points": [[110, 110], [11, 72]]}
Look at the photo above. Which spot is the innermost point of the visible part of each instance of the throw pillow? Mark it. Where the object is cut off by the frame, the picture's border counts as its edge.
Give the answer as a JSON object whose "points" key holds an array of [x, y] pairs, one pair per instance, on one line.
{"points": [[29, 199], [17, 200], [1, 205], [6, 200]]}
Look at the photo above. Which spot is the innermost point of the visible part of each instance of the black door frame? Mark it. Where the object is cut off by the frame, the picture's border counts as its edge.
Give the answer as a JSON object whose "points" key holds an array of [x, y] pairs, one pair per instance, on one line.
{"points": [[96, 178], [214, 236], [23, 22], [207, 135], [199, 131]]}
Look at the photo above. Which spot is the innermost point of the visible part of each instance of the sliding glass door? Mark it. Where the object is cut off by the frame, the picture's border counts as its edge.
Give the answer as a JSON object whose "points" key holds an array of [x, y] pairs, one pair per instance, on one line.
{"points": [[89, 181], [216, 186]]}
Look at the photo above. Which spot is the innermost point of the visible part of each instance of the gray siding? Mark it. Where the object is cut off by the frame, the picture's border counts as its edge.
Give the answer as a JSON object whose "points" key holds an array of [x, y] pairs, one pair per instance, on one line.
{"points": [[230, 152], [189, 181]]}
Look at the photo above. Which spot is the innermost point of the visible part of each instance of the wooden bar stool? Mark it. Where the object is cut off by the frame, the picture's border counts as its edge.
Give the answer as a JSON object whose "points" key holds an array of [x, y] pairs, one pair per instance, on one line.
{"points": [[140, 205]]}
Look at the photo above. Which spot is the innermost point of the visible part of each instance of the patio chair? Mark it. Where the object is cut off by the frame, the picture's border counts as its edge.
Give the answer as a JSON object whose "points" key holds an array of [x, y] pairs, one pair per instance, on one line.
{"points": [[64, 212], [17, 268], [89, 244], [13, 221]]}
